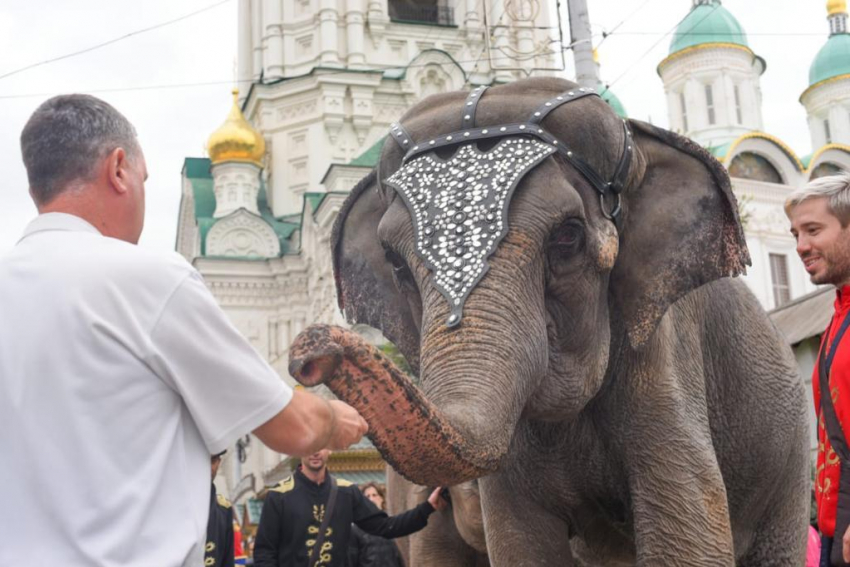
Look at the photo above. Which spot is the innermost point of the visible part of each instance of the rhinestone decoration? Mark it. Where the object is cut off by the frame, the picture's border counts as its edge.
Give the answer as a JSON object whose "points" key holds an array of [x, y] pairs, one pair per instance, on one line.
{"points": [[460, 209]]}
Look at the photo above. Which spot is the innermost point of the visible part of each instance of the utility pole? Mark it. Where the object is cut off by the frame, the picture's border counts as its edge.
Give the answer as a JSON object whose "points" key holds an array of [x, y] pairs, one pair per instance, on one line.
{"points": [[581, 44]]}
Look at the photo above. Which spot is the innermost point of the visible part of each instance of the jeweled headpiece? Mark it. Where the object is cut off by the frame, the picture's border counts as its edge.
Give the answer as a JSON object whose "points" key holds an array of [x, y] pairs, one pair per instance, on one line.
{"points": [[460, 205]]}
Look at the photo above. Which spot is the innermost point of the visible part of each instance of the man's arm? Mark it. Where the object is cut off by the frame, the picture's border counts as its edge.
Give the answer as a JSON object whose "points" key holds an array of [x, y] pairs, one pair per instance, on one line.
{"points": [[309, 423], [375, 522], [267, 542], [355, 545]]}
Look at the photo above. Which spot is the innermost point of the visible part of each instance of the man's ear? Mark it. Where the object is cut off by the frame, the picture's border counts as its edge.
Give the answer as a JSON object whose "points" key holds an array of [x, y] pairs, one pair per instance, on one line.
{"points": [[118, 170]]}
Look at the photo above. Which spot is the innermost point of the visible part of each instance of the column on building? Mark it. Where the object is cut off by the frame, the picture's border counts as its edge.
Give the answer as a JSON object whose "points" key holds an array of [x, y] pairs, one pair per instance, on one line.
{"points": [[257, 40], [244, 61], [273, 16], [328, 33], [355, 32]]}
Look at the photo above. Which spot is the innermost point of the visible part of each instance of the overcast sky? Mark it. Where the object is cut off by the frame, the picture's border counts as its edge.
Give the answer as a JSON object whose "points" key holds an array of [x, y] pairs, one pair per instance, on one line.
{"points": [[142, 76]]}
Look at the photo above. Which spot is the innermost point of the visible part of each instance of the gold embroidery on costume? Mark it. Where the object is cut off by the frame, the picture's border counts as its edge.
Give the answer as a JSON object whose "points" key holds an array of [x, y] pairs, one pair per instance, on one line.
{"points": [[285, 485], [210, 546], [831, 458], [209, 561], [313, 530]]}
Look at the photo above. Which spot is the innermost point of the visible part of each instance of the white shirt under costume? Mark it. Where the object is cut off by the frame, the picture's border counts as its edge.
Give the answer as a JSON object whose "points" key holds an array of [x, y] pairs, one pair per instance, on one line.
{"points": [[119, 376]]}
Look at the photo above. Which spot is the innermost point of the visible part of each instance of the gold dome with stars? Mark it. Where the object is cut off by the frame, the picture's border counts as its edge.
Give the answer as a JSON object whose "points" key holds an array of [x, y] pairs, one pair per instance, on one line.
{"points": [[236, 139]]}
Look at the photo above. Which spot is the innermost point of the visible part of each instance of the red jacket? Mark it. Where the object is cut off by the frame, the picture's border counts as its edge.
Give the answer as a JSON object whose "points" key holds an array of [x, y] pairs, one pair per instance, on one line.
{"points": [[828, 471]]}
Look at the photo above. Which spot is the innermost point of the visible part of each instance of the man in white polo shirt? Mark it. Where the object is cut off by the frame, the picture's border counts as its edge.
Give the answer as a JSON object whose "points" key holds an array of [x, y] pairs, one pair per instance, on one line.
{"points": [[119, 374]]}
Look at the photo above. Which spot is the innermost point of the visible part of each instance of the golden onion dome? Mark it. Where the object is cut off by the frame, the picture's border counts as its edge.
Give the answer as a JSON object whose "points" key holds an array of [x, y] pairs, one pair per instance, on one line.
{"points": [[836, 7], [236, 139]]}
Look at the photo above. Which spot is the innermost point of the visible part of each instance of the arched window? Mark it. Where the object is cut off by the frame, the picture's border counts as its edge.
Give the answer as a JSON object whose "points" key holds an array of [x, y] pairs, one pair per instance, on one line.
{"points": [[824, 169], [749, 165]]}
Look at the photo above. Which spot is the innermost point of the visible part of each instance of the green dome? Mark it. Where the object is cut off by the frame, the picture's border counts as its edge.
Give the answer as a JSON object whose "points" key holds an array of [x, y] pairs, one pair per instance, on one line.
{"points": [[832, 60], [608, 96], [708, 23]]}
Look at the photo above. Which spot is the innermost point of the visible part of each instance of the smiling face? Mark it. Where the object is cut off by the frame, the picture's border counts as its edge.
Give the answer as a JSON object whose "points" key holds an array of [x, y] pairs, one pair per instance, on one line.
{"points": [[822, 243]]}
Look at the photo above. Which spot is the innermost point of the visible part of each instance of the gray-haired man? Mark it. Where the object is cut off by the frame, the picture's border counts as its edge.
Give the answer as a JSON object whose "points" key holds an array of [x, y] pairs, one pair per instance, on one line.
{"points": [[119, 374]]}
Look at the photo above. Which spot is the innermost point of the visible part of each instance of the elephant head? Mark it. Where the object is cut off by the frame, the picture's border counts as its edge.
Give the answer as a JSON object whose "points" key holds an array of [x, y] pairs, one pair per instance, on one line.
{"points": [[563, 285]]}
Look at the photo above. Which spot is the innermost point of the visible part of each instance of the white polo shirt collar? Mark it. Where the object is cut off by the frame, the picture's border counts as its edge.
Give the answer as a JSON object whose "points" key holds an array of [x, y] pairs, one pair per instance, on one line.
{"points": [[58, 221]]}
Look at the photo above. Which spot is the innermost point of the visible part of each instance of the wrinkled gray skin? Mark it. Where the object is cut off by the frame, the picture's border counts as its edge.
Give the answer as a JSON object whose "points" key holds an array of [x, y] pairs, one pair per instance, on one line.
{"points": [[454, 536], [613, 389]]}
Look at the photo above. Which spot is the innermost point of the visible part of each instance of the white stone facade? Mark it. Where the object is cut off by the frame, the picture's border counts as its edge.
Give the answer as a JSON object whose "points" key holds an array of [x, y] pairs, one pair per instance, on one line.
{"points": [[828, 111], [236, 187], [713, 92], [353, 67]]}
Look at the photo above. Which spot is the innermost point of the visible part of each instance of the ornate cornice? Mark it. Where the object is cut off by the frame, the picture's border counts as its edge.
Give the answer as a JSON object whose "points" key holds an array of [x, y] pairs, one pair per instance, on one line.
{"points": [[821, 83], [823, 149], [694, 48], [773, 139]]}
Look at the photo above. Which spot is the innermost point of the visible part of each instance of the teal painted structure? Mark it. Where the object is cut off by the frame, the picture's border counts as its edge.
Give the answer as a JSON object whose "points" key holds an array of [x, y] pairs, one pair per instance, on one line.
{"points": [[708, 23]]}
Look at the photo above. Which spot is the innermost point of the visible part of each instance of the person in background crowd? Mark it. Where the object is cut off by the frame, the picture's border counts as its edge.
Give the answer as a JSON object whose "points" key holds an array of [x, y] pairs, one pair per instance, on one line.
{"points": [[238, 548], [820, 222], [294, 512], [219, 550], [368, 550], [119, 373]]}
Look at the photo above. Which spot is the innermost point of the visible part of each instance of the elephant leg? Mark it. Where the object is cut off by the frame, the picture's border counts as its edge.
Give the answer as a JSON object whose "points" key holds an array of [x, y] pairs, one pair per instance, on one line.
{"points": [[781, 536], [681, 514], [519, 532], [440, 545]]}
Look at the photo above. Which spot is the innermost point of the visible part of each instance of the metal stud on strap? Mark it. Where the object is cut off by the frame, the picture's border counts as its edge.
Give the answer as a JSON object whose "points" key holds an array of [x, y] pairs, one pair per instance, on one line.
{"points": [[400, 135], [567, 96], [470, 106]]}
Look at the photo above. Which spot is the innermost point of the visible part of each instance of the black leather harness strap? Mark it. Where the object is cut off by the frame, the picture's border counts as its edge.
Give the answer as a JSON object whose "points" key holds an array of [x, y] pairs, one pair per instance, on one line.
{"points": [[567, 96], [830, 417], [837, 440], [400, 135], [470, 106], [315, 554]]}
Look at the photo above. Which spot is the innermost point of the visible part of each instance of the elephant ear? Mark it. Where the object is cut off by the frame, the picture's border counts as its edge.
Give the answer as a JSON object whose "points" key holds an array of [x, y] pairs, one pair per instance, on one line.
{"points": [[365, 287], [681, 229]]}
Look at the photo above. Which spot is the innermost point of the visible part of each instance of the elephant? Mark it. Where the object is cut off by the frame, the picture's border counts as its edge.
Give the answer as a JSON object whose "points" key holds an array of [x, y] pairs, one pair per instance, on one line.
{"points": [[454, 537], [621, 398]]}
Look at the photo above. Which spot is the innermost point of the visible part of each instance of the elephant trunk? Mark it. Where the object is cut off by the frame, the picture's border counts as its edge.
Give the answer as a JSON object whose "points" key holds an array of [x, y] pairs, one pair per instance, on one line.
{"points": [[413, 435]]}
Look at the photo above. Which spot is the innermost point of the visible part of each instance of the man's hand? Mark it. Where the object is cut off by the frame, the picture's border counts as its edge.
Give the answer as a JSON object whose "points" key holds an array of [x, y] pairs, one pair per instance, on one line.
{"points": [[438, 502], [348, 428], [846, 545], [310, 423]]}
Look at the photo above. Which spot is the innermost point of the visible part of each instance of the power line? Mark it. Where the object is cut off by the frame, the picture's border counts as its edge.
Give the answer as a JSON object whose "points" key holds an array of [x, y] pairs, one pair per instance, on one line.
{"points": [[111, 41], [654, 45], [606, 35], [250, 81]]}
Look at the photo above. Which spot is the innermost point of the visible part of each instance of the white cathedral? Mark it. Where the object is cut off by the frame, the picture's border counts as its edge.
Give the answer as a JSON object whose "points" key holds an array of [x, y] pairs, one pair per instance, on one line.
{"points": [[328, 77]]}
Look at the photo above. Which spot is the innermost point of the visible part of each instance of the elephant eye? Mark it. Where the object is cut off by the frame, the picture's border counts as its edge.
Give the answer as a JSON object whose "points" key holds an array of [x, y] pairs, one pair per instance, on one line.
{"points": [[401, 273], [568, 238]]}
